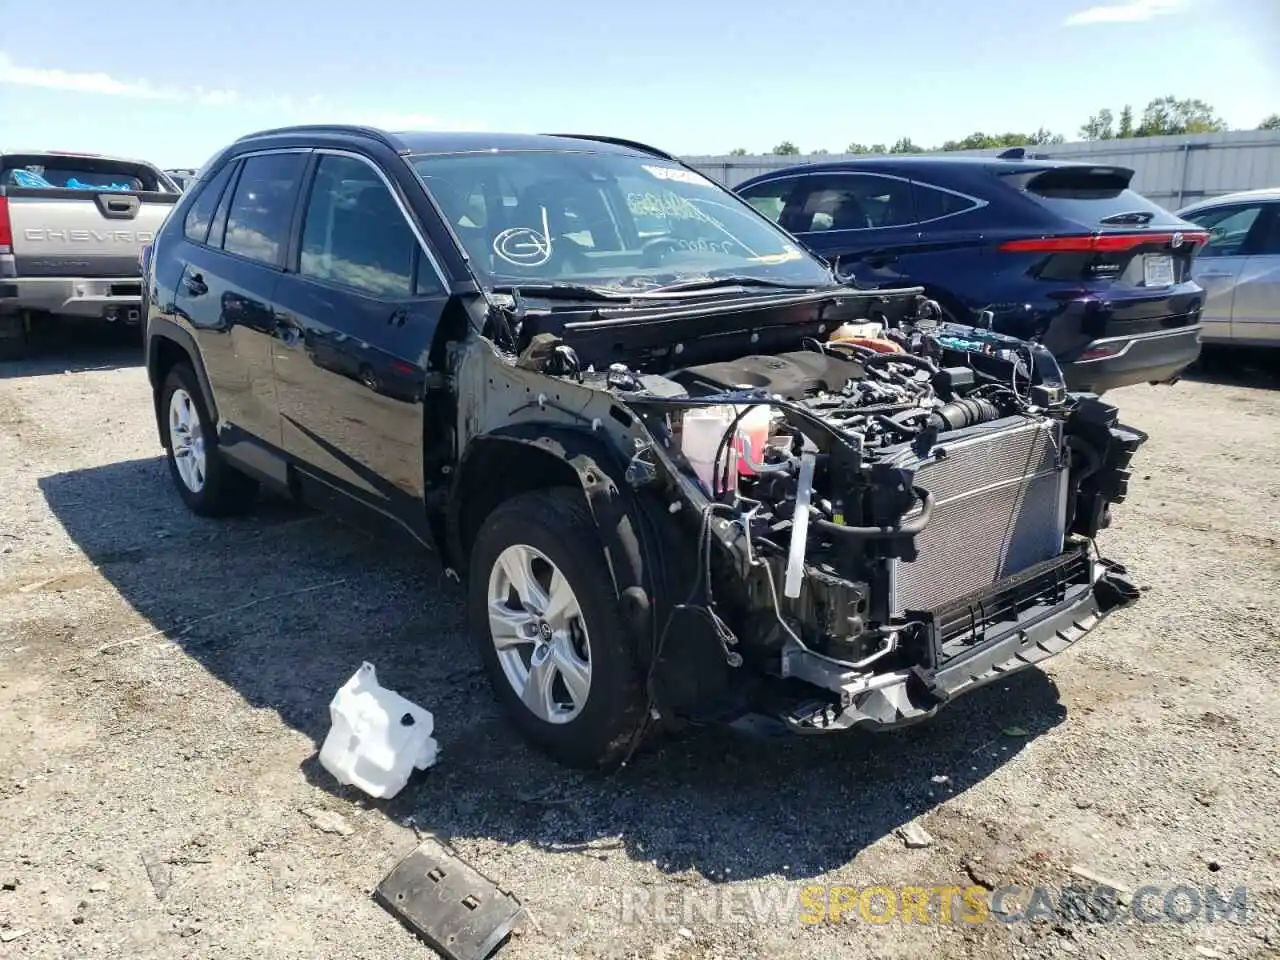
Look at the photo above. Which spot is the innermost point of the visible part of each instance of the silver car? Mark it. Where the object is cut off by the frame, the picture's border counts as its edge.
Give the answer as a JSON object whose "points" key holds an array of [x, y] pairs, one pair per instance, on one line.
{"points": [[1240, 267]]}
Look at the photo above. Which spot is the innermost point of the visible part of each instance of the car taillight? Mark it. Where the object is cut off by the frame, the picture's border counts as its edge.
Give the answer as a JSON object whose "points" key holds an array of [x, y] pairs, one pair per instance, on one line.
{"points": [[1099, 352], [1100, 242], [6, 228]]}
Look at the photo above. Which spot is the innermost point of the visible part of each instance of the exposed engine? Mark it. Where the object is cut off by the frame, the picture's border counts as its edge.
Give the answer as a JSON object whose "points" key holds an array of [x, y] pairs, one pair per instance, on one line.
{"points": [[879, 487], [896, 499]]}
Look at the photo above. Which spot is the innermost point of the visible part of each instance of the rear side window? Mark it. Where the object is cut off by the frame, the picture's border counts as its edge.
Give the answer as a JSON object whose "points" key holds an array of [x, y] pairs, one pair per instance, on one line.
{"points": [[87, 173], [261, 212], [934, 204], [355, 233], [1096, 197], [200, 215]]}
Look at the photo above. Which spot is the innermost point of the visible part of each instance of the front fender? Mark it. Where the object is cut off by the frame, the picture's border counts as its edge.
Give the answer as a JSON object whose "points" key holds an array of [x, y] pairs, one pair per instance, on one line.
{"points": [[598, 471]]}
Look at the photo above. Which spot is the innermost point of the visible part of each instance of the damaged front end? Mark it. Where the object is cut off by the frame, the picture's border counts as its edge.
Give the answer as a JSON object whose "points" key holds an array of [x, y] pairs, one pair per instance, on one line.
{"points": [[830, 509]]}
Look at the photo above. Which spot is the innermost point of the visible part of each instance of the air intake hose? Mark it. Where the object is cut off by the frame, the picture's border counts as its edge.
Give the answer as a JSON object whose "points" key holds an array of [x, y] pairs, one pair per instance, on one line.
{"points": [[963, 413]]}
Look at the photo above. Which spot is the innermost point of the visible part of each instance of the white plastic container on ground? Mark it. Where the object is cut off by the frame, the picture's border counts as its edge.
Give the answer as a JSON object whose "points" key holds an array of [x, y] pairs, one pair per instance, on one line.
{"points": [[378, 738]]}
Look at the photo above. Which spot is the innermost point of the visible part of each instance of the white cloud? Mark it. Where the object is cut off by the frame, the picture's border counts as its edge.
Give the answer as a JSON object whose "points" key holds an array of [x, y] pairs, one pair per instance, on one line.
{"points": [[312, 109], [1134, 11], [107, 85]]}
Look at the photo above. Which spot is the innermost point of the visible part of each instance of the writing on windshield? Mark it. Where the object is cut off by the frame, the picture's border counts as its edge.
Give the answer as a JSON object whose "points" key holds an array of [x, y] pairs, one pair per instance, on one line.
{"points": [[604, 219]]}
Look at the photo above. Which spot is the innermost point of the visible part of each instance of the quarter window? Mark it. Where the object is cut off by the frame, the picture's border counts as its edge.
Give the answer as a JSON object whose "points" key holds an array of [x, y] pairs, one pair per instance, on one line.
{"points": [[854, 202], [196, 226], [261, 211], [934, 204], [355, 233], [1229, 229]]}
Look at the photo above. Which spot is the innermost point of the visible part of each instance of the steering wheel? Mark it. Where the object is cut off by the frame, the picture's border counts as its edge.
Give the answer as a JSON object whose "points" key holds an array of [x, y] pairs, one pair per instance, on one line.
{"points": [[654, 250]]}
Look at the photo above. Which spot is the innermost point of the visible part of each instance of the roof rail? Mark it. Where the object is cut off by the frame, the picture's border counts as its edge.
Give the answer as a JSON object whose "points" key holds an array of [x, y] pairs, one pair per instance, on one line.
{"points": [[617, 142], [373, 133]]}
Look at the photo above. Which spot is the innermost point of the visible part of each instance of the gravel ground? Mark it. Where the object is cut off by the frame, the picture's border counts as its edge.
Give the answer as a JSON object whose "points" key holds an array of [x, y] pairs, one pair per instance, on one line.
{"points": [[164, 683]]}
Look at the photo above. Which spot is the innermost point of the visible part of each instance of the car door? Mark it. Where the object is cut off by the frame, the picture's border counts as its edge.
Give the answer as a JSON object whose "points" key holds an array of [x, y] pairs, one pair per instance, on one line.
{"points": [[862, 223], [1219, 266], [232, 262], [1255, 314], [357, 315]]}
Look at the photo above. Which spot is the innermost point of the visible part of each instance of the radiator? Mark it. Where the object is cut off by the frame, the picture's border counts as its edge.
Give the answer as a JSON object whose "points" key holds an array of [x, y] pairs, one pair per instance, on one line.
{"points": [[1000, 500]]}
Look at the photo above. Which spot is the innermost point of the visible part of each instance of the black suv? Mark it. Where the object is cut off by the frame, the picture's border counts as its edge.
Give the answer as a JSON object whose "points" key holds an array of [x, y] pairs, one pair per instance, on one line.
{"points": [[1063, 253], [622, 406]]}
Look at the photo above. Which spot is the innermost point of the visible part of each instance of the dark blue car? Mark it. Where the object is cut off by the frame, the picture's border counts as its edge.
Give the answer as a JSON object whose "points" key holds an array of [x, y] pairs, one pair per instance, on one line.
{"points": [[1065, 253]]}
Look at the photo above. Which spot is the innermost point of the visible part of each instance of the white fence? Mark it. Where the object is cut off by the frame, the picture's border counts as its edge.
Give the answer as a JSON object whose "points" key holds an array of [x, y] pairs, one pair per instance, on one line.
{"points": [[1172, 171]]}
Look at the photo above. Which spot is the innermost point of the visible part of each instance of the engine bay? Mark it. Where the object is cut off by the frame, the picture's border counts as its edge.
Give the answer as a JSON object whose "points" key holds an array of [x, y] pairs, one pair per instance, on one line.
{"points": [[858, 498]]}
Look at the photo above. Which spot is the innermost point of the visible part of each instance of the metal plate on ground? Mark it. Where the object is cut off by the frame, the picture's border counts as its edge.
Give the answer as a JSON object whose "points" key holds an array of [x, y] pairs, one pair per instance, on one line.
{"points": [[458, 911]]}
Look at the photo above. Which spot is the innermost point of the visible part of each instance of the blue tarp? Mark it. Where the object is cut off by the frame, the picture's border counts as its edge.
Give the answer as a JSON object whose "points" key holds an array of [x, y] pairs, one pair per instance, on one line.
{"points": [[25, 178]]}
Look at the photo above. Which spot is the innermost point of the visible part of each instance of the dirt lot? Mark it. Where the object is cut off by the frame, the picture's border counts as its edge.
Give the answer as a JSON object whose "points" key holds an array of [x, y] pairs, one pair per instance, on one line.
{"points": [[164, 683]]}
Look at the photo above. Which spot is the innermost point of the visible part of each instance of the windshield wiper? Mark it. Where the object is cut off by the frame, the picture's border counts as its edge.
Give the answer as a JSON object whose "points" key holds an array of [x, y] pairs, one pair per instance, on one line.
{"points": [[1136, 216], [561, 291], [712, 283]]}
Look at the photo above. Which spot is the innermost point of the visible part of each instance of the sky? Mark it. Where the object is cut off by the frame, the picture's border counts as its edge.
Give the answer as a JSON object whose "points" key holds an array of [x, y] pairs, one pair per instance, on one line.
{"points": [[173, 82]]}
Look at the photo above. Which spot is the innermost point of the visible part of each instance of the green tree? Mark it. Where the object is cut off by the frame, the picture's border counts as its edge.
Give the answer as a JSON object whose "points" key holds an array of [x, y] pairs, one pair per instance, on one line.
{"points": [[1098, 127], [738, 152], [1126, 123], [1043, 137], [1270, 123], [878, 148], [820, 152], [904, 145], [856, 147], [1165, 116], [785, 149]]}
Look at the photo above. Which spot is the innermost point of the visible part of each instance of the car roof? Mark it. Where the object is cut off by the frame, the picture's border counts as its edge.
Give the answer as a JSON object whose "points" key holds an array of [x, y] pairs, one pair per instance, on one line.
{"points": [[1265, 193], [443, 142], [1005, 165]]}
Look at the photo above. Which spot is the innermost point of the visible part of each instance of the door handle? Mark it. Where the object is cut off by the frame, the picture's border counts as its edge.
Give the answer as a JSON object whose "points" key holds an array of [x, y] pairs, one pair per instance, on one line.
{"points": [[195, 285], [398, 316], [1213, 275]]}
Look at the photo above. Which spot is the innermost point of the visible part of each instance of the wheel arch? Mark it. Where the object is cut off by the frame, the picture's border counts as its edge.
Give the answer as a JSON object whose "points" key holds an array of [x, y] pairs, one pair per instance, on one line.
{"points": [[524, 458], [168, 345]]}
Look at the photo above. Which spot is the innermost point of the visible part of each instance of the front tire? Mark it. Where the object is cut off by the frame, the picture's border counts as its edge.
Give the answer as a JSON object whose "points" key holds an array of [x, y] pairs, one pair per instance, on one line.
{"points": [[546, 620], [208, 485]]}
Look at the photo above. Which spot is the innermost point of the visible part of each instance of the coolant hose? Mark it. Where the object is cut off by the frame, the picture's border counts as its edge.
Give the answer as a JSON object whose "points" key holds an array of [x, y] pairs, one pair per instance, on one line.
{"points": [[879, 359], [1090, 455], [963, 413], [908, 528]]}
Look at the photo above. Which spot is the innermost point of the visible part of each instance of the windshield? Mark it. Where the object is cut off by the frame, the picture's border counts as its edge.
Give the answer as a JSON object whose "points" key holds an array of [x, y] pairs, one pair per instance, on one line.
{"points": [[606, 220]]}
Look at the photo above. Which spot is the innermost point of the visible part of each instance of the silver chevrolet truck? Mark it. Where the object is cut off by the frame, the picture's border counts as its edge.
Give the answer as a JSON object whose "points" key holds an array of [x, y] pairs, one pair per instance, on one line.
{"points": [[72, 229]]}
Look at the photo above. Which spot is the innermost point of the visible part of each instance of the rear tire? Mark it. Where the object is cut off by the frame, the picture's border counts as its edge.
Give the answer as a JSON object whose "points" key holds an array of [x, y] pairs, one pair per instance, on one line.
{"points": [[15, 336], [562, 666], [208, 485]]}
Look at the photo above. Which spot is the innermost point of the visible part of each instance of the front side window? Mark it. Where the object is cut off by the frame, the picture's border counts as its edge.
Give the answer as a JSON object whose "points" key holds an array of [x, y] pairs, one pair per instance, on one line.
{"points": [[853, 201], [261, 211], [770, 197], [606, 219], [354, 232], [1229, 229]]}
